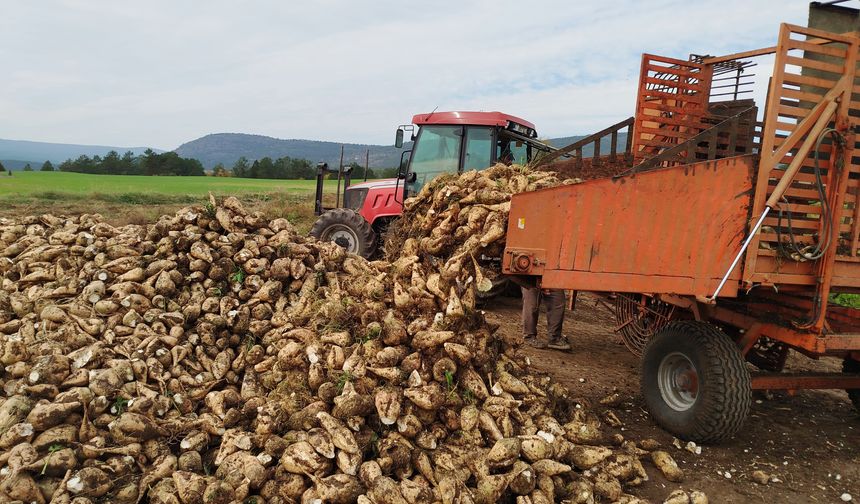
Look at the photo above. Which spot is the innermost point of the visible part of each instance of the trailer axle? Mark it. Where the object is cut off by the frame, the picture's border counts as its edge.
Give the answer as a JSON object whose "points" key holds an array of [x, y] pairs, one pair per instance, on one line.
{"points": [[787, 381]]}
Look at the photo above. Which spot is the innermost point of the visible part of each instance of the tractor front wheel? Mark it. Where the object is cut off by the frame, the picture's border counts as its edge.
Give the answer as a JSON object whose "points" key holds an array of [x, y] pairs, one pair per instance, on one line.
{"points": [[695, 382], [348, 229]]}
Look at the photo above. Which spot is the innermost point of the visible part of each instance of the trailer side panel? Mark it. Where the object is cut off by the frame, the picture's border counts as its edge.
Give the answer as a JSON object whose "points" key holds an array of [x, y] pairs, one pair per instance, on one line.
{"points": [[673, 230]]}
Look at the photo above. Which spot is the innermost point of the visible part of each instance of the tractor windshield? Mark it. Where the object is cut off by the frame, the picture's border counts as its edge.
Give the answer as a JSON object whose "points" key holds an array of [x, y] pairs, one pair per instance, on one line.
{"points": [[437, 151]]}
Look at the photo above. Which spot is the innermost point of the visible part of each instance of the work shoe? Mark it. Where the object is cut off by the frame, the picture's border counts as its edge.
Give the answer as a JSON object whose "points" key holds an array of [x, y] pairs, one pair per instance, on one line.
{"points": [[534, 342], [559, 344]]}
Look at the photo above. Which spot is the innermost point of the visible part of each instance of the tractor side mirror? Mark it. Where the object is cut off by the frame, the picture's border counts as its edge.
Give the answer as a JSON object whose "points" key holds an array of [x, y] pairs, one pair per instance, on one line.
{"points": [[398, 139]]}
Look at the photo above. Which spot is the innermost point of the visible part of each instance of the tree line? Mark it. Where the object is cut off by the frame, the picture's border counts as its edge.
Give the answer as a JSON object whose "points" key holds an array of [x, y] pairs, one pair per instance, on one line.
{"points": [[150, 163], [287, 168], [170, 163], [268, 168], [46, 166]]}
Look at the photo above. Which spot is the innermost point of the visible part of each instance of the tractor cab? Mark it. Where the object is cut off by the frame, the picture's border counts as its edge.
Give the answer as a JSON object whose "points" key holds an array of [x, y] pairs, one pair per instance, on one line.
{"points": [[442, 142], [454, 142]]}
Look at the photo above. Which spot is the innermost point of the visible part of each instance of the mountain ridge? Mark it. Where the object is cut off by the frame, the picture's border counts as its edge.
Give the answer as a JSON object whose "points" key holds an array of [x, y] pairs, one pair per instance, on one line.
{"points": [[226, 148]]}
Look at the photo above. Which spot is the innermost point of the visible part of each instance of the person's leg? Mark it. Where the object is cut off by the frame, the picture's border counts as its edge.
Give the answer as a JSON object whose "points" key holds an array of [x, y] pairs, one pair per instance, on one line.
{"points": [[555, 318], [531, 304]]}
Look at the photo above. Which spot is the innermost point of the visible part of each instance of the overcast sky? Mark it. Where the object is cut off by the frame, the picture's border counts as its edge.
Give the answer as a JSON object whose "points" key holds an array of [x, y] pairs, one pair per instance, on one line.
{"points": [[163, 72]]}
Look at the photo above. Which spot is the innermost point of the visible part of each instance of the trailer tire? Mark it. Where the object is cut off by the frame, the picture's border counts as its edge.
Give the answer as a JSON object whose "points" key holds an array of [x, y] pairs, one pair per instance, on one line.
{"points": [[850, 365], [695, 382], [348, 229]]}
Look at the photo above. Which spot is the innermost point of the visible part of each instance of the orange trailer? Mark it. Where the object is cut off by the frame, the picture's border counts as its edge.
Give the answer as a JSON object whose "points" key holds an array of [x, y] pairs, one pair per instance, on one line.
{"points": [[727, 238]]}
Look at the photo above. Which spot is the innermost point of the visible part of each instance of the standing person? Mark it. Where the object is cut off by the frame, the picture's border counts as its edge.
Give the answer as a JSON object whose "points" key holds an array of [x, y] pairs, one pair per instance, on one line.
{"points": [[554, 299]]}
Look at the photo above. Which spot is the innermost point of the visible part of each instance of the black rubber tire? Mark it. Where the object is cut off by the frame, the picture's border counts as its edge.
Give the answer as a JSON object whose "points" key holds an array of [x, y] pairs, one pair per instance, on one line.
{"points": [[850, 365], [362, 239], [724, 393]]}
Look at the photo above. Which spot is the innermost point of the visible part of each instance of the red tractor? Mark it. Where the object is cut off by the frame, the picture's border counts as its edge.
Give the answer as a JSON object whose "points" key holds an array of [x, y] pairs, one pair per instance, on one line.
{"points": [[445, 142]]}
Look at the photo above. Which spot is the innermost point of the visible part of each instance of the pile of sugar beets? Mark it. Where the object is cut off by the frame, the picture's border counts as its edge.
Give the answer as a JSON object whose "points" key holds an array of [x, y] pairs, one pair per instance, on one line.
{"points": [[219, 357]]}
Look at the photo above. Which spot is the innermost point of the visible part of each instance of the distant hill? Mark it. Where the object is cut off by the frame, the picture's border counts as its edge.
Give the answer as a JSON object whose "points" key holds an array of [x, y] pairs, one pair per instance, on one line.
{"points": [[226, 148], [15, 154]]}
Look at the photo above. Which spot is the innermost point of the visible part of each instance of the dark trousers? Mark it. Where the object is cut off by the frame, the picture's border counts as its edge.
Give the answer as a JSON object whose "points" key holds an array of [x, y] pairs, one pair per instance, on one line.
{"points": [[554, 302]]}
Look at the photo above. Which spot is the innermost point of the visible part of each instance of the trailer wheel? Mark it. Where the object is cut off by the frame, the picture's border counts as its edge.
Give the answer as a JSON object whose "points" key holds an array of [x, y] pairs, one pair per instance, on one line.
{"points": [[850, 365], [348, 229], [695, 382]]}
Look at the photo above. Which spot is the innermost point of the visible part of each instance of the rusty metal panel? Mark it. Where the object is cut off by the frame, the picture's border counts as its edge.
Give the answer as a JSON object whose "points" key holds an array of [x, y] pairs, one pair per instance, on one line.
{"points": [[673, 230]]}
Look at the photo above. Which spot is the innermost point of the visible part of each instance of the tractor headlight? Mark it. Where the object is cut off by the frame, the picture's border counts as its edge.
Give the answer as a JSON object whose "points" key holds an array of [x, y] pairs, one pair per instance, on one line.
{"points": [[354, 198]]}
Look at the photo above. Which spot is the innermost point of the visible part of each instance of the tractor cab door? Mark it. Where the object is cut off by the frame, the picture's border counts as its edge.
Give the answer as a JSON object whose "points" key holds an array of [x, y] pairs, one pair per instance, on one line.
{"points": [[437, 150], [478, 152]]}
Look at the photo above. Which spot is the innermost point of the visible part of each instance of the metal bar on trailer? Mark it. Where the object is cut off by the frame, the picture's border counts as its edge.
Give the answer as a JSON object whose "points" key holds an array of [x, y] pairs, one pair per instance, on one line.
{"points": [[613, 146], [732, 85], [784, 381], [855, 228], [732, 93], [804, 126], [339, 175], [576, 146], [740, 254], [800, 157], [739, 55], [839, 342], [733, 78], [770, 50]]}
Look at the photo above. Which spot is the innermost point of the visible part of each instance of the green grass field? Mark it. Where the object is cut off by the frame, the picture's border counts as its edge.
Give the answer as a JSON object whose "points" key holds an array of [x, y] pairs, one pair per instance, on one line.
{"points": [[36, 184], [124, 199]]}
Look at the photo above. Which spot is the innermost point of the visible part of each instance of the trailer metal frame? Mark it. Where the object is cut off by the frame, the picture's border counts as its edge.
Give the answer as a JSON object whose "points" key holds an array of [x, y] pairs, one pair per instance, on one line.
{"points": [[703, 192]]}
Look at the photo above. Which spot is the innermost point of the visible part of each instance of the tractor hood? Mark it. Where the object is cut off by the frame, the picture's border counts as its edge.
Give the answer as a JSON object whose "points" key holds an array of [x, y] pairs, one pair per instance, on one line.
{"points": [[376, 184]]}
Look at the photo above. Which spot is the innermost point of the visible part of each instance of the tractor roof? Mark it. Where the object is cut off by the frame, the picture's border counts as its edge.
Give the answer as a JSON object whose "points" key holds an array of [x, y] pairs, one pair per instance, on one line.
{"points": [[467, 118]]}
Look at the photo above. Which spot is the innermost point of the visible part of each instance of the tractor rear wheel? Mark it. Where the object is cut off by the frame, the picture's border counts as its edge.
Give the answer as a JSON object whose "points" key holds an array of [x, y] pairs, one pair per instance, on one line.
{"points": [[850, 365], [348, 229], [695, 382]]}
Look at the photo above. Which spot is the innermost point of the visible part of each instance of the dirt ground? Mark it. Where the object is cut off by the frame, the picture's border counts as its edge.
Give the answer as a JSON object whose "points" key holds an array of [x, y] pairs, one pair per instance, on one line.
{"points": [[809, 442]]}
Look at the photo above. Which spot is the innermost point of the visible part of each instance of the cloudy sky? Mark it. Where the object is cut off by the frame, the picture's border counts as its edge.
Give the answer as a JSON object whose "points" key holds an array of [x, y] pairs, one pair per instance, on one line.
{"points": [[163, 72]]}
